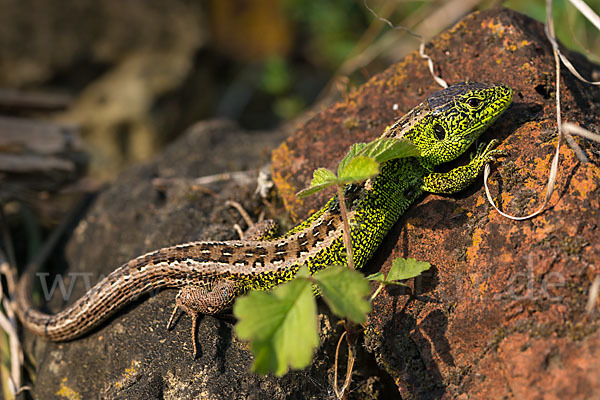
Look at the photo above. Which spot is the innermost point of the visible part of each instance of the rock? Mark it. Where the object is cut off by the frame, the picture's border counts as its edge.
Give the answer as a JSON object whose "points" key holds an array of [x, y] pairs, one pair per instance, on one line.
{"points": [[37, 156], [133, 355], [124, 62], [502, 313], [68, 35]]}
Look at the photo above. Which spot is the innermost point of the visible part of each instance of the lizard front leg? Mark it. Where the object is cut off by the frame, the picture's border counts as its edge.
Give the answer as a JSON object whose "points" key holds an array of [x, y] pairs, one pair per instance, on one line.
{"points": [[461, 177]]}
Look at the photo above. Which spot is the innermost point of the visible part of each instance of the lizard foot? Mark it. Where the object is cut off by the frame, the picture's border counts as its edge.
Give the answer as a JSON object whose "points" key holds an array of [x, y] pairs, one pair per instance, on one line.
{"points": [[261, 230], [487, 153]]}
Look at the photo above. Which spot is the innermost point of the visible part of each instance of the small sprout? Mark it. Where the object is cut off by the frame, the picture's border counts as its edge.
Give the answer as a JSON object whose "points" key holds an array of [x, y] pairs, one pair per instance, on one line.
{"points": [[361, 163], [401, 269], [281, 325]]}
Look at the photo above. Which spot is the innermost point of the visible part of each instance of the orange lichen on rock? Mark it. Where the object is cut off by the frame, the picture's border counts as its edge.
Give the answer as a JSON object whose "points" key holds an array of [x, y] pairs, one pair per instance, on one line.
{"points": [[502, 312]]}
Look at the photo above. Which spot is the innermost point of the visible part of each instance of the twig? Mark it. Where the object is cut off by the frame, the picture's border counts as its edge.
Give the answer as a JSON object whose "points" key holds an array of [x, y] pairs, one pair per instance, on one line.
{"points": [[13, 99], [339, 393], [242, 211], [422, 53], [549, 28], [593, 296], [8, 323], [576, 129], [575, 147], [242, 177], [347, 234]]}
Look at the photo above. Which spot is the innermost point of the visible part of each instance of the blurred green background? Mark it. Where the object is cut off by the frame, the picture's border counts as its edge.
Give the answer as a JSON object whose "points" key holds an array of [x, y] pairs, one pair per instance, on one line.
{"points": [[139, 73]]}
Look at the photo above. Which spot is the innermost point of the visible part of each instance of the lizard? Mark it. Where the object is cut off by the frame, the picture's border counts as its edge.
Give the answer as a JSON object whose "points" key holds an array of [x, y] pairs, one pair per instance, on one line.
{"points": [[210, 275]]}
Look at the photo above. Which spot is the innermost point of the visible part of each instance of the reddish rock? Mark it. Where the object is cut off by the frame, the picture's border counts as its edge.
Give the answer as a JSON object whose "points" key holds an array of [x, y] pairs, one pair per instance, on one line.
{"points": [[502, 313]]}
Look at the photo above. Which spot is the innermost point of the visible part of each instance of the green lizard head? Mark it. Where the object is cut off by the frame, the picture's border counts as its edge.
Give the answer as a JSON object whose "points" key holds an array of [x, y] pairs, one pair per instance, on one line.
{"points": [[459, 115]]}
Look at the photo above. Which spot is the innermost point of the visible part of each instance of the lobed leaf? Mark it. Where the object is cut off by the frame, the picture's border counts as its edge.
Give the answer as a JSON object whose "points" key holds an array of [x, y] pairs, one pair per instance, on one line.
{"points": [[354, 149], [345, 291], [322, 179], [406, 268], [386, 149], [359, 169], [312, 190], [322, 176], [281, 325]]}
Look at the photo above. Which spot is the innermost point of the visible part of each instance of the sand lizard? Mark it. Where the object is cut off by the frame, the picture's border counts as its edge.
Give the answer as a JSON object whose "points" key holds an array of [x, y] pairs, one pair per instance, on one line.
{"points": [[210, 275]]}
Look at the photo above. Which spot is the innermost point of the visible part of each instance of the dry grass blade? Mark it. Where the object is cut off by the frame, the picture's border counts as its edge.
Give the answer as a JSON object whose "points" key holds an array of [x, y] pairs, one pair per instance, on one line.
{"points": [[593, 296], [568, 63], [8, 323], [335, 365], [576, 129], [549, 29], [422, 53], [587, 12], [8, 320], [339, 393]]}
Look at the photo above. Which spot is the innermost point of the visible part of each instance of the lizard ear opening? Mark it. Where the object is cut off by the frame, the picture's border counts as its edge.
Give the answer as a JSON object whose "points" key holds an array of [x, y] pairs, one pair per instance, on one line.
{"points": [[439, 132]]}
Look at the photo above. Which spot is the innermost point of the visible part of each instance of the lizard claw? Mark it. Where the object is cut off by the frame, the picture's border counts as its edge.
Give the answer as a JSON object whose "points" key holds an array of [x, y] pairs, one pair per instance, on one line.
{"points": [[487, 153]]}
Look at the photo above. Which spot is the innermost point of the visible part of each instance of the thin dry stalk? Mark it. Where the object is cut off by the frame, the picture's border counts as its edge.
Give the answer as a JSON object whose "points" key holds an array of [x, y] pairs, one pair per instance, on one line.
{"points": [[8, 323], [593, 296], [422, 53], [576, 129], [339, 392], [347, 236], [549, 28]]}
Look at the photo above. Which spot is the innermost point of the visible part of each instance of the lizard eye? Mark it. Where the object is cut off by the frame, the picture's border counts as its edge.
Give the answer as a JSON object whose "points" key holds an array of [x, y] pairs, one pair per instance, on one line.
{"points": [[474, 102], [439, 132]]}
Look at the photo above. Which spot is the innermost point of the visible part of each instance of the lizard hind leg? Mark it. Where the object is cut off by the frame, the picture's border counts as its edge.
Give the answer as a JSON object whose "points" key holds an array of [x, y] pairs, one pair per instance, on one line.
{"points": [[263, 230], [206, 299]]}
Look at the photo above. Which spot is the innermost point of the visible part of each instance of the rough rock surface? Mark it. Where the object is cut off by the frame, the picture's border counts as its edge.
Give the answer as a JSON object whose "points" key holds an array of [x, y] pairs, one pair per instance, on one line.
{"points": [[500, 316], [133, 355], [502, 313]]}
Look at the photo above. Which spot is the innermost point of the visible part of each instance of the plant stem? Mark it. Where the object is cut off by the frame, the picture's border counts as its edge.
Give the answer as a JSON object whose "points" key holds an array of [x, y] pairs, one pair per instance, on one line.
{"points": [[381, 285], [346, 235]]}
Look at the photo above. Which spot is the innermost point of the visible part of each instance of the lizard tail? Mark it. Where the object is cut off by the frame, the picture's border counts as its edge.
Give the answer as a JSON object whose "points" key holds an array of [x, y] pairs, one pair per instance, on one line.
{"points": [[125, 284]]}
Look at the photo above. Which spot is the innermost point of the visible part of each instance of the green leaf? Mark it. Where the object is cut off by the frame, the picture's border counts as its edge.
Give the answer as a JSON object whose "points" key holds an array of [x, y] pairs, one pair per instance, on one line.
{"points": [[322, 176], [406, 268], [354, 149], [345, 291], [389, 148], [281, 325], [322, 179], [359, 169], [377, 276], [312, 190]]}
